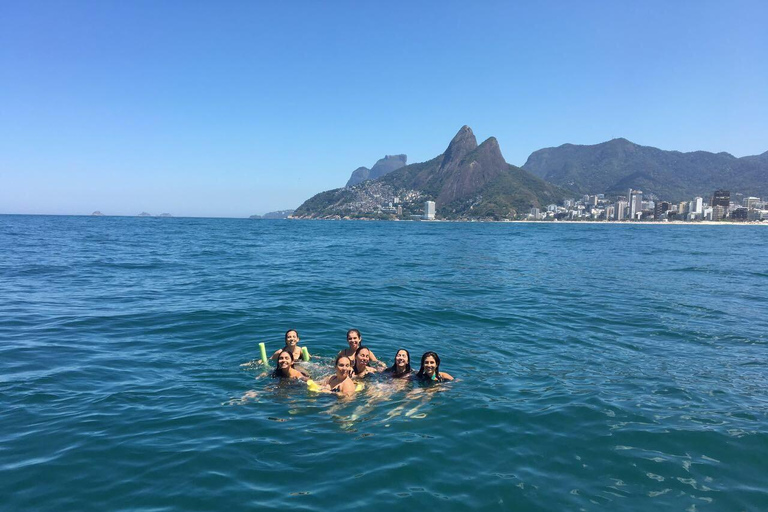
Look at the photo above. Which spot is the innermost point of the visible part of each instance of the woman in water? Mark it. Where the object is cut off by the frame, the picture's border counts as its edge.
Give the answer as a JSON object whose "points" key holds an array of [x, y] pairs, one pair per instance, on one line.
{"points": [[402, 367], [360, 366], [430, 368], [340, 382], [285, 368], [291, 344], [354, 339]]}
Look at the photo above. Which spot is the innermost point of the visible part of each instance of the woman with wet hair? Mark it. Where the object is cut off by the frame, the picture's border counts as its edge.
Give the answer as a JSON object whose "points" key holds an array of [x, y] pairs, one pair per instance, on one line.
{"points": [[340, 382], [291, 344], [360, 366], [285, 368], [430, 368], [401, 369], [354, 339]]}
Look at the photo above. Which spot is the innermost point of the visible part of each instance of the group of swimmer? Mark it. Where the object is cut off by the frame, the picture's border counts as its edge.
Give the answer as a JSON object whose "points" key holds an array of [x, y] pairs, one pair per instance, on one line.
{"points": [[352, 364]]}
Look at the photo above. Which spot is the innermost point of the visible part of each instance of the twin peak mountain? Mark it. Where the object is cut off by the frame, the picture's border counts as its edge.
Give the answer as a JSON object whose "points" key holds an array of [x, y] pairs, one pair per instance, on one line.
{"points": [[466, 181]]}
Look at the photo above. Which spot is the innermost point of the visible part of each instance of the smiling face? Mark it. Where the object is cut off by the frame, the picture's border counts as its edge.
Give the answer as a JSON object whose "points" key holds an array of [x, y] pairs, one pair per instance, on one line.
{"points": [[353, 338], [291, 339], [363, 357], [284, 361], [430, 365], [343, 367], [401, 359]]}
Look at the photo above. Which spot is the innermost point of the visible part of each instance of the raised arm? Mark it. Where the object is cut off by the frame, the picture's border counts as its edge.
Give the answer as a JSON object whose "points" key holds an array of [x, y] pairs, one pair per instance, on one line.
{"points": [[380, 364]]}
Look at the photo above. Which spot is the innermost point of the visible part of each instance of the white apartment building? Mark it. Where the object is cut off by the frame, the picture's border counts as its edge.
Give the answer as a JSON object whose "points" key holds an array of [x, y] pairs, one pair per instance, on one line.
{"points": [[429, 210]]}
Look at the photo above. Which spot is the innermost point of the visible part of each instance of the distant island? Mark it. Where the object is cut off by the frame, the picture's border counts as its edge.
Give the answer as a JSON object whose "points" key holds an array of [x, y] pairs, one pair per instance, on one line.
{"points": [[145, 214], [280, 214], [97, 213]]}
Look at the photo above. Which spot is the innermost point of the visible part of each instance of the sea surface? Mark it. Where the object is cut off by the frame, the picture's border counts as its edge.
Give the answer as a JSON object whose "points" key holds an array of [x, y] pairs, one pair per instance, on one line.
{"points": [[598, 367]]}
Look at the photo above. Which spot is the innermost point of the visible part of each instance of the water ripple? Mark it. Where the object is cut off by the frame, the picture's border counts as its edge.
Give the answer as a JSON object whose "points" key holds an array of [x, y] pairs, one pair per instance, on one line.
{"points": [[599, 367]]}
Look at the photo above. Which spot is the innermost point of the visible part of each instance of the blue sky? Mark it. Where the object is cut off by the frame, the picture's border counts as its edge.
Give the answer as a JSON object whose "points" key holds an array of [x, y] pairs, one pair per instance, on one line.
{"points": [[234, 108]]}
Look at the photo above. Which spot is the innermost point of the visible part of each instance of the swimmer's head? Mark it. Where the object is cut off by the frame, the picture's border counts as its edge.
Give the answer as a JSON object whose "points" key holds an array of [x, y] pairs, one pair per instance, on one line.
{"points": [[402, 361], [284, 364], [354, 338], [285, 359], [343, 364], [291, 337], [362, 356], [430, 364]]}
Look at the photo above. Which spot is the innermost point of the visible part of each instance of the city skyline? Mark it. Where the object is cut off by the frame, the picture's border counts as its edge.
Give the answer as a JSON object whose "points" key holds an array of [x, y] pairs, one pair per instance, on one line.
{"points": [[227, 112]]}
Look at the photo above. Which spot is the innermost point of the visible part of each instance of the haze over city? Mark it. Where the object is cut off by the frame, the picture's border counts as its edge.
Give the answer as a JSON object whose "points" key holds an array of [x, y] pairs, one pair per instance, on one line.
{"points": [[228, 110]]}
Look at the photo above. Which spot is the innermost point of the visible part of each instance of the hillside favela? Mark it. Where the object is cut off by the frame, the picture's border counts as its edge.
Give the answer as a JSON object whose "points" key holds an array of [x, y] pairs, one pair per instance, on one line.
{"points": [[616, 181]]}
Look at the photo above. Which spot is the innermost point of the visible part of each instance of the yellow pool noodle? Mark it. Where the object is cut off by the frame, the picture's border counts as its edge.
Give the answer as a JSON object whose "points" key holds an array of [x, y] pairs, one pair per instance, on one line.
{"points": [[263, 351]]}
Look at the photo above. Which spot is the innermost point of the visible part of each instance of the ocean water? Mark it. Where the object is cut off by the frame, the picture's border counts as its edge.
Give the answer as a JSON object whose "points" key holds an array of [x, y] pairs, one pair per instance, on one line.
{"points": [[598, 367]]}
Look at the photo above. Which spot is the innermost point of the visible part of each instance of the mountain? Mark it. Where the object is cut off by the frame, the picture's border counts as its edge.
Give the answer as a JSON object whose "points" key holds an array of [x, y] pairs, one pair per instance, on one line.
{"points": [[467, 181], [382, 167], [359, 175], [617, 165]]}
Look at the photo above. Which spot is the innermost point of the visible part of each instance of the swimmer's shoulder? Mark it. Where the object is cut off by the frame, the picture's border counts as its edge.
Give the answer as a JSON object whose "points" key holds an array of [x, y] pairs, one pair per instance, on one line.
{"points": [[348, 387]]}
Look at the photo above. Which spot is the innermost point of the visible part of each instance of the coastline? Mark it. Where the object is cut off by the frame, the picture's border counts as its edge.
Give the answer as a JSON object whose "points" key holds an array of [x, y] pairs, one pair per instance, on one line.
{"points": [[553, 222], [648, 223]]}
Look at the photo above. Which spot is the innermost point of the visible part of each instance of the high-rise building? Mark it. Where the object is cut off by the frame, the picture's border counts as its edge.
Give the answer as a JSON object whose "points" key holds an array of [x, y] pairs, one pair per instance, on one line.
{"points": [[750, 202], [698, 205], [718, 212], [721, 198], [429, 210], [740, 213], [660, 208], [635, 204], [620, 211]]}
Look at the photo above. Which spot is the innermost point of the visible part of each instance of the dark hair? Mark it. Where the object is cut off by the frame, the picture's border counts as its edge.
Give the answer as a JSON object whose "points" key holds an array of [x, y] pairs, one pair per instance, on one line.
{"points": [[354, 365], [291, 330], [356, 331], [278, 373], [338, 358], [393, 369], [437, 365]]}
